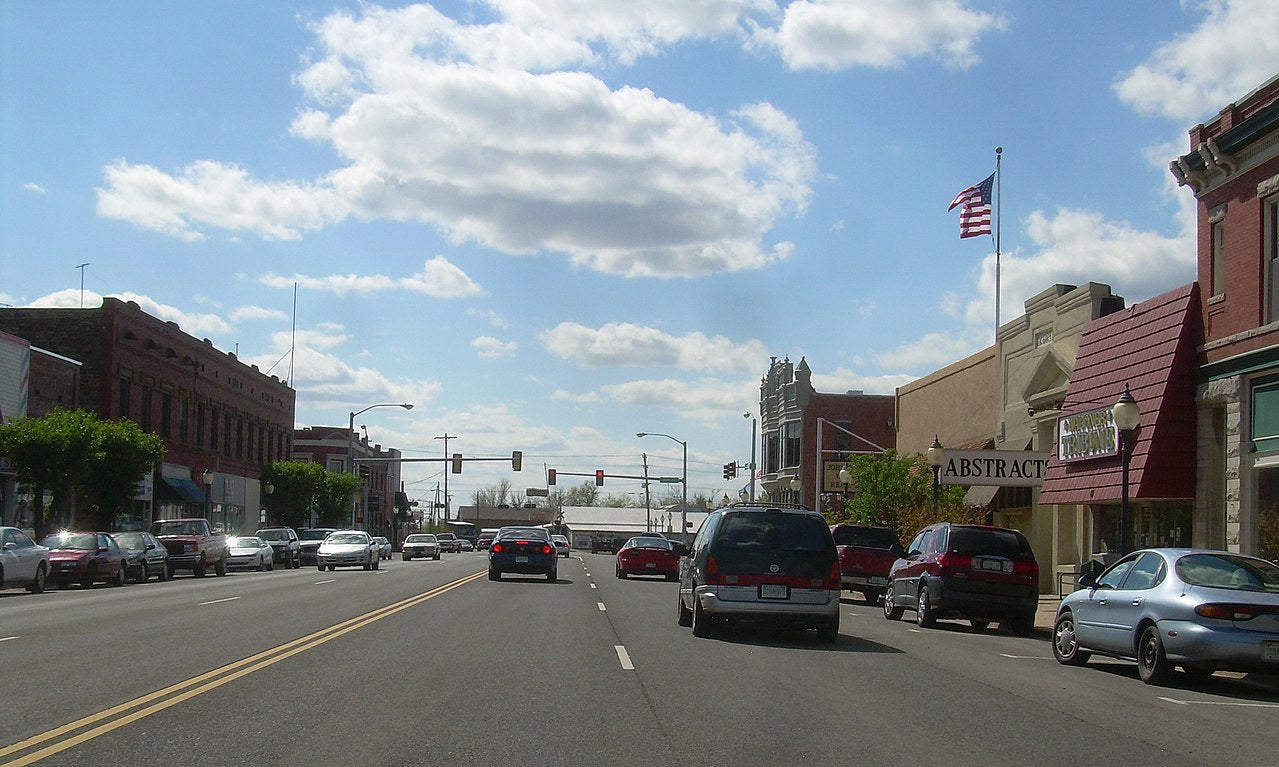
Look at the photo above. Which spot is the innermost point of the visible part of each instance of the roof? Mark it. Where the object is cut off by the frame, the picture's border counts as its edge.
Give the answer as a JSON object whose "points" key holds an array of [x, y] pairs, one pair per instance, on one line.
{"points": [[586, 519], [1150, 347]]}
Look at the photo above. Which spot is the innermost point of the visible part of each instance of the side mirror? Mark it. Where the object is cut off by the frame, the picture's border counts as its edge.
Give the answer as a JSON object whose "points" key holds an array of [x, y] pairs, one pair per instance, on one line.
{"points": [[150, 546], [1087, 581], [680, 550], [913, 553], [898, 550]]}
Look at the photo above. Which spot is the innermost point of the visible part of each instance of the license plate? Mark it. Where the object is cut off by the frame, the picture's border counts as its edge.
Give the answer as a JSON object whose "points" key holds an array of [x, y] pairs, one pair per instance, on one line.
{"points": [[773, 591], [521, 559], [992, 565], [1270, 649], [650, 564]]}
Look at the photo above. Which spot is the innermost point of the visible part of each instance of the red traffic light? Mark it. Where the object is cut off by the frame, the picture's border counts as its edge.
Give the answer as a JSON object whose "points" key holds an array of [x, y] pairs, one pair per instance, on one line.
{"points": [[550, 476], [599, 477]]}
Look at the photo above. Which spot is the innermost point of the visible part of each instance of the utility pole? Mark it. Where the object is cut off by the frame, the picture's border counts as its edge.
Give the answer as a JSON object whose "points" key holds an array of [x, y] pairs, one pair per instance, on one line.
{"points": [[648, 505], [446, 439]]}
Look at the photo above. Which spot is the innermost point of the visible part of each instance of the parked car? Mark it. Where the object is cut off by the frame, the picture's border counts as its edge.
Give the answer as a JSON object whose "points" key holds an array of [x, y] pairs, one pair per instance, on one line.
{"points": [[561, 544], [147, 556], [346, 548], [309, 540], [449, 542], [250, 552], [383, 547], [464, 544], [482, 542], [420, 545], [286, 548], [761, 564], [866, 555], [976, 572], [523, 550], [1199, 609], [85, 558], [645, 555], [193, 545], [23, 562]]}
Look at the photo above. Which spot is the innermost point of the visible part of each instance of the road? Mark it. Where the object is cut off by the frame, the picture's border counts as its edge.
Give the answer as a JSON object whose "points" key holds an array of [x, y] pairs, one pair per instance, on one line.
{"points": [[431, 663]]}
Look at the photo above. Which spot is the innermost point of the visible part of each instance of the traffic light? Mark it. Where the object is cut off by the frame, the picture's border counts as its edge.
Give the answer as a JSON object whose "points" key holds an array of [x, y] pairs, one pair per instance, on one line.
{"points": [[730, 470], [364, 472], [550, 476], [517, 460], [457, 463], [599, 477]]}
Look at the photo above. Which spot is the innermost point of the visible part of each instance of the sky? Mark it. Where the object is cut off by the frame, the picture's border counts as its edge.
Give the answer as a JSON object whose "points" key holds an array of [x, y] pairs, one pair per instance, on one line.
{"points": [[552, 224]]}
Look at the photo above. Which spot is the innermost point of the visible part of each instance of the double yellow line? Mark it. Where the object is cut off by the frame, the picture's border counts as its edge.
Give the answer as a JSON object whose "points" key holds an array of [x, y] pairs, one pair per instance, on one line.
{"points": [[140, 708]]}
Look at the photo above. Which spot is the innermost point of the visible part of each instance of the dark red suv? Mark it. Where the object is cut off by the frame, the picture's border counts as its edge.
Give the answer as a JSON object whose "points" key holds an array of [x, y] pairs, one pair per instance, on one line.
{"points": [[969, 571], [866, 555]]}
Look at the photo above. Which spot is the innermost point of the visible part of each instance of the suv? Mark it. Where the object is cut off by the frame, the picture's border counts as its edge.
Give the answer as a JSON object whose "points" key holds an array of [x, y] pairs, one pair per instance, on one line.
{"points": [[285, 546], [969, 571], [309, 540], [866, 555], [761, 564], [449, 542]]}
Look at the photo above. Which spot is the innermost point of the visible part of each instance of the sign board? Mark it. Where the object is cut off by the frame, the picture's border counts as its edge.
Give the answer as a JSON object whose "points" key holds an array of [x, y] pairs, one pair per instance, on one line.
{"points": [[537, 492], [1003, 468], [830, 477], [1087, 435]]}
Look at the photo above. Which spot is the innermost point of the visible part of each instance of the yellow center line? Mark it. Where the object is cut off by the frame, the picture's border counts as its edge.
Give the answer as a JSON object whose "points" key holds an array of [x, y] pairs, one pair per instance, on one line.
{"points": [[208, 681]]}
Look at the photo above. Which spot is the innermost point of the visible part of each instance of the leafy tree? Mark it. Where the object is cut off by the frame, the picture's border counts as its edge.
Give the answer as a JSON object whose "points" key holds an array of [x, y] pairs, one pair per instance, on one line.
{"points": [[50, 455], [896, 491], [296, 487], [334, 496], [122, 455], [585, 494]]}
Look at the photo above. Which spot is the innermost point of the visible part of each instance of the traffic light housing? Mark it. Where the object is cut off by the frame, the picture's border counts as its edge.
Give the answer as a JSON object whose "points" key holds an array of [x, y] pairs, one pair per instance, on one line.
{"points": [[730, 470], [517, 460], [364, 472], [550, 476], [599, 477], [457, 463]]}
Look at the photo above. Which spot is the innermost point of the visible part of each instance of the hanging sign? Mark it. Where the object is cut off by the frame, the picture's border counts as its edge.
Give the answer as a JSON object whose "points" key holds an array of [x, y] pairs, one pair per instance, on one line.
{"points": [[1004, 468], [1087, 435]]}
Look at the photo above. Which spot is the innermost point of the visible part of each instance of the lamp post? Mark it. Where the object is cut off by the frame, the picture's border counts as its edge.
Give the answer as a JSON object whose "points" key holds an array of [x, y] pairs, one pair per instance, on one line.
{"points": [[754, 422], [268, 488], [1127, 414], [683, 505], [207, 478], [350, 443], [936, 457]]}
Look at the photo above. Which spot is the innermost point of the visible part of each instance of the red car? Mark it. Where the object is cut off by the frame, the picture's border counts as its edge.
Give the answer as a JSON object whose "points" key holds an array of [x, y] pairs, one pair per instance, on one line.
{"points": [[866, 554], [85, 558], [645, 555]]}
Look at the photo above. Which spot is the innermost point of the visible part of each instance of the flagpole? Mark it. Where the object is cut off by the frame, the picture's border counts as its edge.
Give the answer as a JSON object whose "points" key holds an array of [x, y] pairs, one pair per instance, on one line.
{"points": [[999, 199]]}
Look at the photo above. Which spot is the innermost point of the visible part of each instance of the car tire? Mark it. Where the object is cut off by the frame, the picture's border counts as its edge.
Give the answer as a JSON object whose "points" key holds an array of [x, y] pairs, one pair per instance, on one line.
{"points": [[980, 624], [552, 577], [406, 558], [1152, 664], [437, 556], [37, 584], [1021, 625], [90, 575], [495, 575], [220, 567], [1066, 642], [701, 621], [121, 574], [621, 573], [199, 569], [320, 567], [168, 572], [377, 564], [683, 616], [924, 617], [891, 611], [143, 573], [261, 565], [368, 564], [830, 632]]}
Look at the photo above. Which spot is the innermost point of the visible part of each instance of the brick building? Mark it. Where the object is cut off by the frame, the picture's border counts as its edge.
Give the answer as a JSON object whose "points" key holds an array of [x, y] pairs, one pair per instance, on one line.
{"points": [[374, 507], [221, 420]]}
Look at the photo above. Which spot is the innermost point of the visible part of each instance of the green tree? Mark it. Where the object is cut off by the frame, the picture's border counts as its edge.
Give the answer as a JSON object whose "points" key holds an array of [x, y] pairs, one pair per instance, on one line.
{"points": [[50, 455], [122, 455], [896, 491], [296, 487], [334, 496]]}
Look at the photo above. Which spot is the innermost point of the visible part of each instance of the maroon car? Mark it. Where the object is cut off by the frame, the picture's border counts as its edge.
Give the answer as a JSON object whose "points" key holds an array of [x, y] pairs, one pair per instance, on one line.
{"points": [[644, 555], [866, 554], [85, 558]]}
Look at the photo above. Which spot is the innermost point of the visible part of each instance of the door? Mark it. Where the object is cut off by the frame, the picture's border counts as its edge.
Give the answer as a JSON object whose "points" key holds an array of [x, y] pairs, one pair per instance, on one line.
{"points": [[1126, 604], [21, 557], [906, 578], [1091, 613]]}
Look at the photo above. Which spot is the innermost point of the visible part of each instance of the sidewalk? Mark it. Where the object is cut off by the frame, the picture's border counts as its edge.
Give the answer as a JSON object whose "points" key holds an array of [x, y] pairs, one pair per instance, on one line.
{"points": [[1047, 612]]}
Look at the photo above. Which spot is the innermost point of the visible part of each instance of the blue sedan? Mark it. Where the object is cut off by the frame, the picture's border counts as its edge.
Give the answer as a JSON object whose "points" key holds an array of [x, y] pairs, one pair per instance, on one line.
{"points": [[1199, 609], [524, 550]]}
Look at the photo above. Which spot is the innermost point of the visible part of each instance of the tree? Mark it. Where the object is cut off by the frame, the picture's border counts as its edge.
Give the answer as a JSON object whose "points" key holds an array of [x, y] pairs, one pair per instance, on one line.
{"points": [[122, 455], [334, 496], [585, 494], [296, 487], [891, 490]]}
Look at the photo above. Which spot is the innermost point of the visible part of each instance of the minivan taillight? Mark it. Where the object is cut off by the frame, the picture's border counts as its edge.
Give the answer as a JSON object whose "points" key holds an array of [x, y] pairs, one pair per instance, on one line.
{"points": [[832, 580], [952, 563], [713, 578]]}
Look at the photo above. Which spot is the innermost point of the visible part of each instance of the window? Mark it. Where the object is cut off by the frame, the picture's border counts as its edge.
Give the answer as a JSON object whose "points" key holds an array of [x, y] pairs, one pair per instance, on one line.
{"points": [[184, 420], [1115, 576], [166, 413], [213, 429], [772, 453], [1147, 573], [791, 432], [1218, 231], [1270, 246], [123, 403], [146, 407], [199, 424], [1265, 414]]}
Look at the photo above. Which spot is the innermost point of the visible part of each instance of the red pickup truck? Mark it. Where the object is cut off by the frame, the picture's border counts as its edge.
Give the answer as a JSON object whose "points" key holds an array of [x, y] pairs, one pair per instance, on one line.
{"points": [[866, 554], [193, 545]]}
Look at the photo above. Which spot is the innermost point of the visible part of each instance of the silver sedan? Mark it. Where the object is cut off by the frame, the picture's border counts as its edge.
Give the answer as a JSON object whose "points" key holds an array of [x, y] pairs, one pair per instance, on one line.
{"points": [[1199, 609]]}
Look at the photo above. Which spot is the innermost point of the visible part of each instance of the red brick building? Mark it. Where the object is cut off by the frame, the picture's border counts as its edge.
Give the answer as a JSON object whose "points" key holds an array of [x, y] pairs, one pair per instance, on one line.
{"points": [[375, 504]]}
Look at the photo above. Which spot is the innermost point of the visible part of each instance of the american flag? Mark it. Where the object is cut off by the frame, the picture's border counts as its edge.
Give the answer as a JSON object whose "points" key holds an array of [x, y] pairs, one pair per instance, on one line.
{"points": [[974, 216]]}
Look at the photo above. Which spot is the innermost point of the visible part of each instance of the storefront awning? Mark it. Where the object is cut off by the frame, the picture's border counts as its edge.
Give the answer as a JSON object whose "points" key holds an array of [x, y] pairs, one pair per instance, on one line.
{"points": [[181, 490], [980, 495], [1150, 348]]}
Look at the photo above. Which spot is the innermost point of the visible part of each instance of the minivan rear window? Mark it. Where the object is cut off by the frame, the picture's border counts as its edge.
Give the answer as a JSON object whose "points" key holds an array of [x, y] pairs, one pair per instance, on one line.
{"points": [[976, 541], [866, 537], [753, 542]]}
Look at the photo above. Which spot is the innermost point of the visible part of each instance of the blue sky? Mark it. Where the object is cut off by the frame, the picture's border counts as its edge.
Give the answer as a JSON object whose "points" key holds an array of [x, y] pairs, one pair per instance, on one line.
{"points": [[551, 225]]}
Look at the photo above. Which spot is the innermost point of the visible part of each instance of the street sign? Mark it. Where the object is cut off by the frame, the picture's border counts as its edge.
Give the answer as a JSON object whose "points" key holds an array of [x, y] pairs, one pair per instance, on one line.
{"points": [[669, 480], [537, 492]]}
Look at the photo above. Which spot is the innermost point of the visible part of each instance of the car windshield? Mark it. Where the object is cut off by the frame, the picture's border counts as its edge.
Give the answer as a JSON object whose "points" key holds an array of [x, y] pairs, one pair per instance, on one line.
{"points": [[245, 542], [1227, 571], [420, 539], [314, 535], [989, 542], [524, 533], [177, 528], [131, 540], [346, 538], [273, 535], [652, 543], [865, 537], [77, 541]]}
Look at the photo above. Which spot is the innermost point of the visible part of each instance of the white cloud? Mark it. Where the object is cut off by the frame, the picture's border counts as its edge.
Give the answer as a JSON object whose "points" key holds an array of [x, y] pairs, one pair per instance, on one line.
{"points": [[31, 186], [196, 324], [929, 352], [489, 347], [251, 313], [1233, 51], [626, 344], [492, 317], [835, 35], [844, 380], [439, 278], [708, 400]]}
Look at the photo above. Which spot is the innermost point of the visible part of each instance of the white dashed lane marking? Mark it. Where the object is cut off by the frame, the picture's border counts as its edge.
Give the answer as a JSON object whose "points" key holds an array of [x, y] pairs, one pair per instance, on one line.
{"points": [[6, 639], [601, 606], [217, 601], [624, 657]]}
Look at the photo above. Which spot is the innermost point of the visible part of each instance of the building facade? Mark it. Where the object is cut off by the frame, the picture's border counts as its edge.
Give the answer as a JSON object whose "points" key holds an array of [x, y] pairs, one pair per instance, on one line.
{"points": [[379, 470]]}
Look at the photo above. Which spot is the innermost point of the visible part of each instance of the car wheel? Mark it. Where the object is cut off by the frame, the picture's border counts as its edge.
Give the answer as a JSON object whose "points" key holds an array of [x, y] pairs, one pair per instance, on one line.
{"points": [[891, 611], [90, 575], [270, 564], [830, 632], [37, 584], [143, 573], [199, 569], [924, 609], [684, 616], [979, 623], [437, 556], [406, 557], [377, 564], [168, 572], [1152, 663], [1066, 643], [701, 621], [121, 574], [220, 567], [1021, 625], [551, 577], [320, 567], [495, 575], [621, 573], [261, 565]]}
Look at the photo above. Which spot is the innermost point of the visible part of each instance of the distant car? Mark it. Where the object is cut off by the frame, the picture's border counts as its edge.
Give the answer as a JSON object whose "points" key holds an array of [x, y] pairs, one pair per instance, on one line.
{"points": [[976, 572], [86, 558], [603, 544], [523, 550], [309, 540], [866, 555], [383, 547], [250, 552], [423, 545], [484, 540], [449, 542], [285, 546], [347, 548], [646, 555], [464, 544], [1199, 609], [561, 544], [761, 564], [23, 562], [147, 555]]}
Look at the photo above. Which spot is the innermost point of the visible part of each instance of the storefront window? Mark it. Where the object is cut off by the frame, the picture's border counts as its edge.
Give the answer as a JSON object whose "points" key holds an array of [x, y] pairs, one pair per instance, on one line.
{"points": [[1265, 415], [1268, 513]]}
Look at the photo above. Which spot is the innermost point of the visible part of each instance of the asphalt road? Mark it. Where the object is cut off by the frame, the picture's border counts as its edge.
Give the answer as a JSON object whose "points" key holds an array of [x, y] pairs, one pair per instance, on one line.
{"points": [[431, 663]]}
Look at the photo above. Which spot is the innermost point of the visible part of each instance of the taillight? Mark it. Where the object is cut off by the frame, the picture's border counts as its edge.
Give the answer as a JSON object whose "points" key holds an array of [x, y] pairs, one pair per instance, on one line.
{"points": [[546, 549], [1227, 612], [832, 581], [496, 548], [949, 563], [712, 572], [1029, 569]]}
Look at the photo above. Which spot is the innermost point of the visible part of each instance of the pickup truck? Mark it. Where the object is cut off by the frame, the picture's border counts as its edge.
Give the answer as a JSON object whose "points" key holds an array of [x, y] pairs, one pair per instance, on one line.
{"points": [[866, 554], [193, 545]]}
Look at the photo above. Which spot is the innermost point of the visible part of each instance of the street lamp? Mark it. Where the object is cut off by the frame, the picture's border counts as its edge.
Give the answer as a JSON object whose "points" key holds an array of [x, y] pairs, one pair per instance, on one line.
{"points": [[268, 488], [207, 478], [1126, 413], [683, 506], [752, 469], [350, 445], [936, 457]]}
